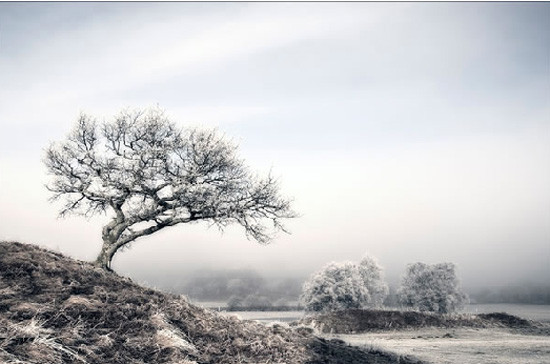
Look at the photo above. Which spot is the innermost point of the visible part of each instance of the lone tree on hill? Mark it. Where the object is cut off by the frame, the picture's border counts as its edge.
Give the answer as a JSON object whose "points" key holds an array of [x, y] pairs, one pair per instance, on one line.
{"points": [[432, 288], [150, 175]]}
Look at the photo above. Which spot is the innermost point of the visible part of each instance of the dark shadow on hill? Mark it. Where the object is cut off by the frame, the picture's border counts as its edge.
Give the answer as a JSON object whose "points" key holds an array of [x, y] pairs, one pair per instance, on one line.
{"points": [[336, 351], [54, 309]]}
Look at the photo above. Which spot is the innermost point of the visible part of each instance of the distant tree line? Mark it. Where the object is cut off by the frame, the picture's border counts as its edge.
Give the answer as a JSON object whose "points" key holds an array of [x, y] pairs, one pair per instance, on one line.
{"points": [[345, 285], [349, 285], [242, 289]]}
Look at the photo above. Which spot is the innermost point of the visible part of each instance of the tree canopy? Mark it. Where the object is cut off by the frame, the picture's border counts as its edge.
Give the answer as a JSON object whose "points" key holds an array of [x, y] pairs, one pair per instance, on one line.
{"points": [[345, 285], [373, 278], [433, 288], [149, 174]]}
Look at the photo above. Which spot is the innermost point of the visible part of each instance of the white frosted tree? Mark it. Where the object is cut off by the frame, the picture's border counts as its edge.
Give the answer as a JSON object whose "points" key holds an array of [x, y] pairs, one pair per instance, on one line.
{"points": [[434, 288], [148, 174], [340, 286], [373, 279], [337, 286]]}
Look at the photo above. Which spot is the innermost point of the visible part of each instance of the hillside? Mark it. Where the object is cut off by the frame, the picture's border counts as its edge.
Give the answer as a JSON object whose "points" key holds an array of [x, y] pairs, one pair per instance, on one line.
{"points": [[54, 309]]}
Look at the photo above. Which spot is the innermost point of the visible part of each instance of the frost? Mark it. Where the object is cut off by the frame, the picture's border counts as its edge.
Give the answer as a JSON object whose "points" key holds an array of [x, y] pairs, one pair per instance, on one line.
{"points": [[432, 288], [340, 286]]}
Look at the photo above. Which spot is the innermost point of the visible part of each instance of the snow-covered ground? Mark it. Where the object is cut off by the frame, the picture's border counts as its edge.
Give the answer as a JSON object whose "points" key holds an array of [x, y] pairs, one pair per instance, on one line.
{"points": [[459, 346]]}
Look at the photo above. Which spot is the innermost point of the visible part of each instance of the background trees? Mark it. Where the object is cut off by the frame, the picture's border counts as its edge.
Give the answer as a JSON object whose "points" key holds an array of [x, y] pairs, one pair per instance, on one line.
{"points": [[150, 174], [337, 286], [340, 286], [432, 288], [373, 278]]}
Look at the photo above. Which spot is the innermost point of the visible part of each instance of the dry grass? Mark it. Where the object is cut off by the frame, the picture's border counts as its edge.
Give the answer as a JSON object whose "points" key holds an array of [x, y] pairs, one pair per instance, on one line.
{"points": [[360, 321]]}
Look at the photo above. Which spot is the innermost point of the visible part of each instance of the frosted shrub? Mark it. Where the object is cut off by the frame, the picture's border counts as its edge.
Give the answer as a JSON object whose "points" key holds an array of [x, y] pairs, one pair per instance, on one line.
{"points": [[340, 286], [432, 288], [373, 279]]}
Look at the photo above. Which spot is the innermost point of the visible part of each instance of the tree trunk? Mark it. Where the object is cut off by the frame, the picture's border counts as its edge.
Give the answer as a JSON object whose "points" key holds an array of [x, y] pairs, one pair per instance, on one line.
{"points": [[111, 235], [106, 255]]}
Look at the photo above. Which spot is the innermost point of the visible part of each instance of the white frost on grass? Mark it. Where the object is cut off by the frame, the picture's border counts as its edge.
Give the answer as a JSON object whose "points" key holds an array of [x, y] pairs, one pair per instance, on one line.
{"points": [[41, 337], [170, 338], [459, 346], [168, 335]]}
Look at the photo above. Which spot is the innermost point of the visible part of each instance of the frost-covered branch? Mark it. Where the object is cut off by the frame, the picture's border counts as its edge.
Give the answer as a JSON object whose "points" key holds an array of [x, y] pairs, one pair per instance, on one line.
{"points": [[146, 170]]}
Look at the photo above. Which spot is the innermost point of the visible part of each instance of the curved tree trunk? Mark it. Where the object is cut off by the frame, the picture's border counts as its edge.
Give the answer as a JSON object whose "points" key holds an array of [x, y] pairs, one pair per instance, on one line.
{"points": [[111, 235], [106, 255]]}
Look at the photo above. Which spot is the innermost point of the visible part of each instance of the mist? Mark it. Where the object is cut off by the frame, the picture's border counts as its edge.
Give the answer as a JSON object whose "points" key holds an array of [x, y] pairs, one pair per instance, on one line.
{"points": [[408, 131]]}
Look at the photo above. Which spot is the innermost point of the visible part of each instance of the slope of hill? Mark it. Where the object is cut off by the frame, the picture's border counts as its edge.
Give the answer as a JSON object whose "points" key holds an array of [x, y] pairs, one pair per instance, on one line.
{"points": [[54, 309]]}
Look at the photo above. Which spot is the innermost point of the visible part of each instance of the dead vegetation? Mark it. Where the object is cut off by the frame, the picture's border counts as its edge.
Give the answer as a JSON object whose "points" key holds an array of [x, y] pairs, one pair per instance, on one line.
{"points": [[360, 321], [58, 310]]}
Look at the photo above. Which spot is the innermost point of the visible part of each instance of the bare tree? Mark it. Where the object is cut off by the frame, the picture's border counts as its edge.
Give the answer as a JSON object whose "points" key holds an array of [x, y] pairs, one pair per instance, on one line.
{"points": [[150, 175]]}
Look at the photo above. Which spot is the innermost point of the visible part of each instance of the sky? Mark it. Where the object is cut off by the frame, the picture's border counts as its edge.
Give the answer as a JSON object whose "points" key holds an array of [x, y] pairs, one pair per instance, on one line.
{"points": [[408, 131]]}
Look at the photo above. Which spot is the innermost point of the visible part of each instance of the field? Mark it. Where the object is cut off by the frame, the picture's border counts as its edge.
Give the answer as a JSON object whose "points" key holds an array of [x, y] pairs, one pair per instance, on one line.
{"points": [[450, 345], [459, 346]]}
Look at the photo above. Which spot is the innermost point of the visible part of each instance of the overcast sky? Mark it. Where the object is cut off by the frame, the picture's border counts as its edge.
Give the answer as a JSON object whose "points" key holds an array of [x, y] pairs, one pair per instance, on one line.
{"points": [[413, 131]]}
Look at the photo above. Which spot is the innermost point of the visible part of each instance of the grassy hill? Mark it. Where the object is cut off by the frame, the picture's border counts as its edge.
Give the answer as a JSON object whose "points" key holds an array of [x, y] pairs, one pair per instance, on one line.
{"points": [[54, 309]]}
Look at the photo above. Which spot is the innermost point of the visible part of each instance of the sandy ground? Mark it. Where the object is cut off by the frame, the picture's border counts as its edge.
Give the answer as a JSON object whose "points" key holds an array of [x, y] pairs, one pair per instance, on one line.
{"points": [[459, 346]]}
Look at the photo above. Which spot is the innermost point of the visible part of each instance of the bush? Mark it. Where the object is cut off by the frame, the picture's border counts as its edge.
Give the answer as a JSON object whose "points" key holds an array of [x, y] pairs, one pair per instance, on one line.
{"points": [[432, 288], [341, 286], [373, 278]]}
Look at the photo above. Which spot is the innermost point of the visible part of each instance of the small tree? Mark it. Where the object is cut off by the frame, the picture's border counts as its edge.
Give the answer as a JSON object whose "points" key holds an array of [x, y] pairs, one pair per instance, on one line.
{"points": [[338, 286], [373, 278], [432, 288], [150, 174]]}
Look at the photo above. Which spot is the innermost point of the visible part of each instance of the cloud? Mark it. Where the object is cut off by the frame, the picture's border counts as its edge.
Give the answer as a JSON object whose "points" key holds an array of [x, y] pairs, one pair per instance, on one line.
{"points": [[150, 51]]}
